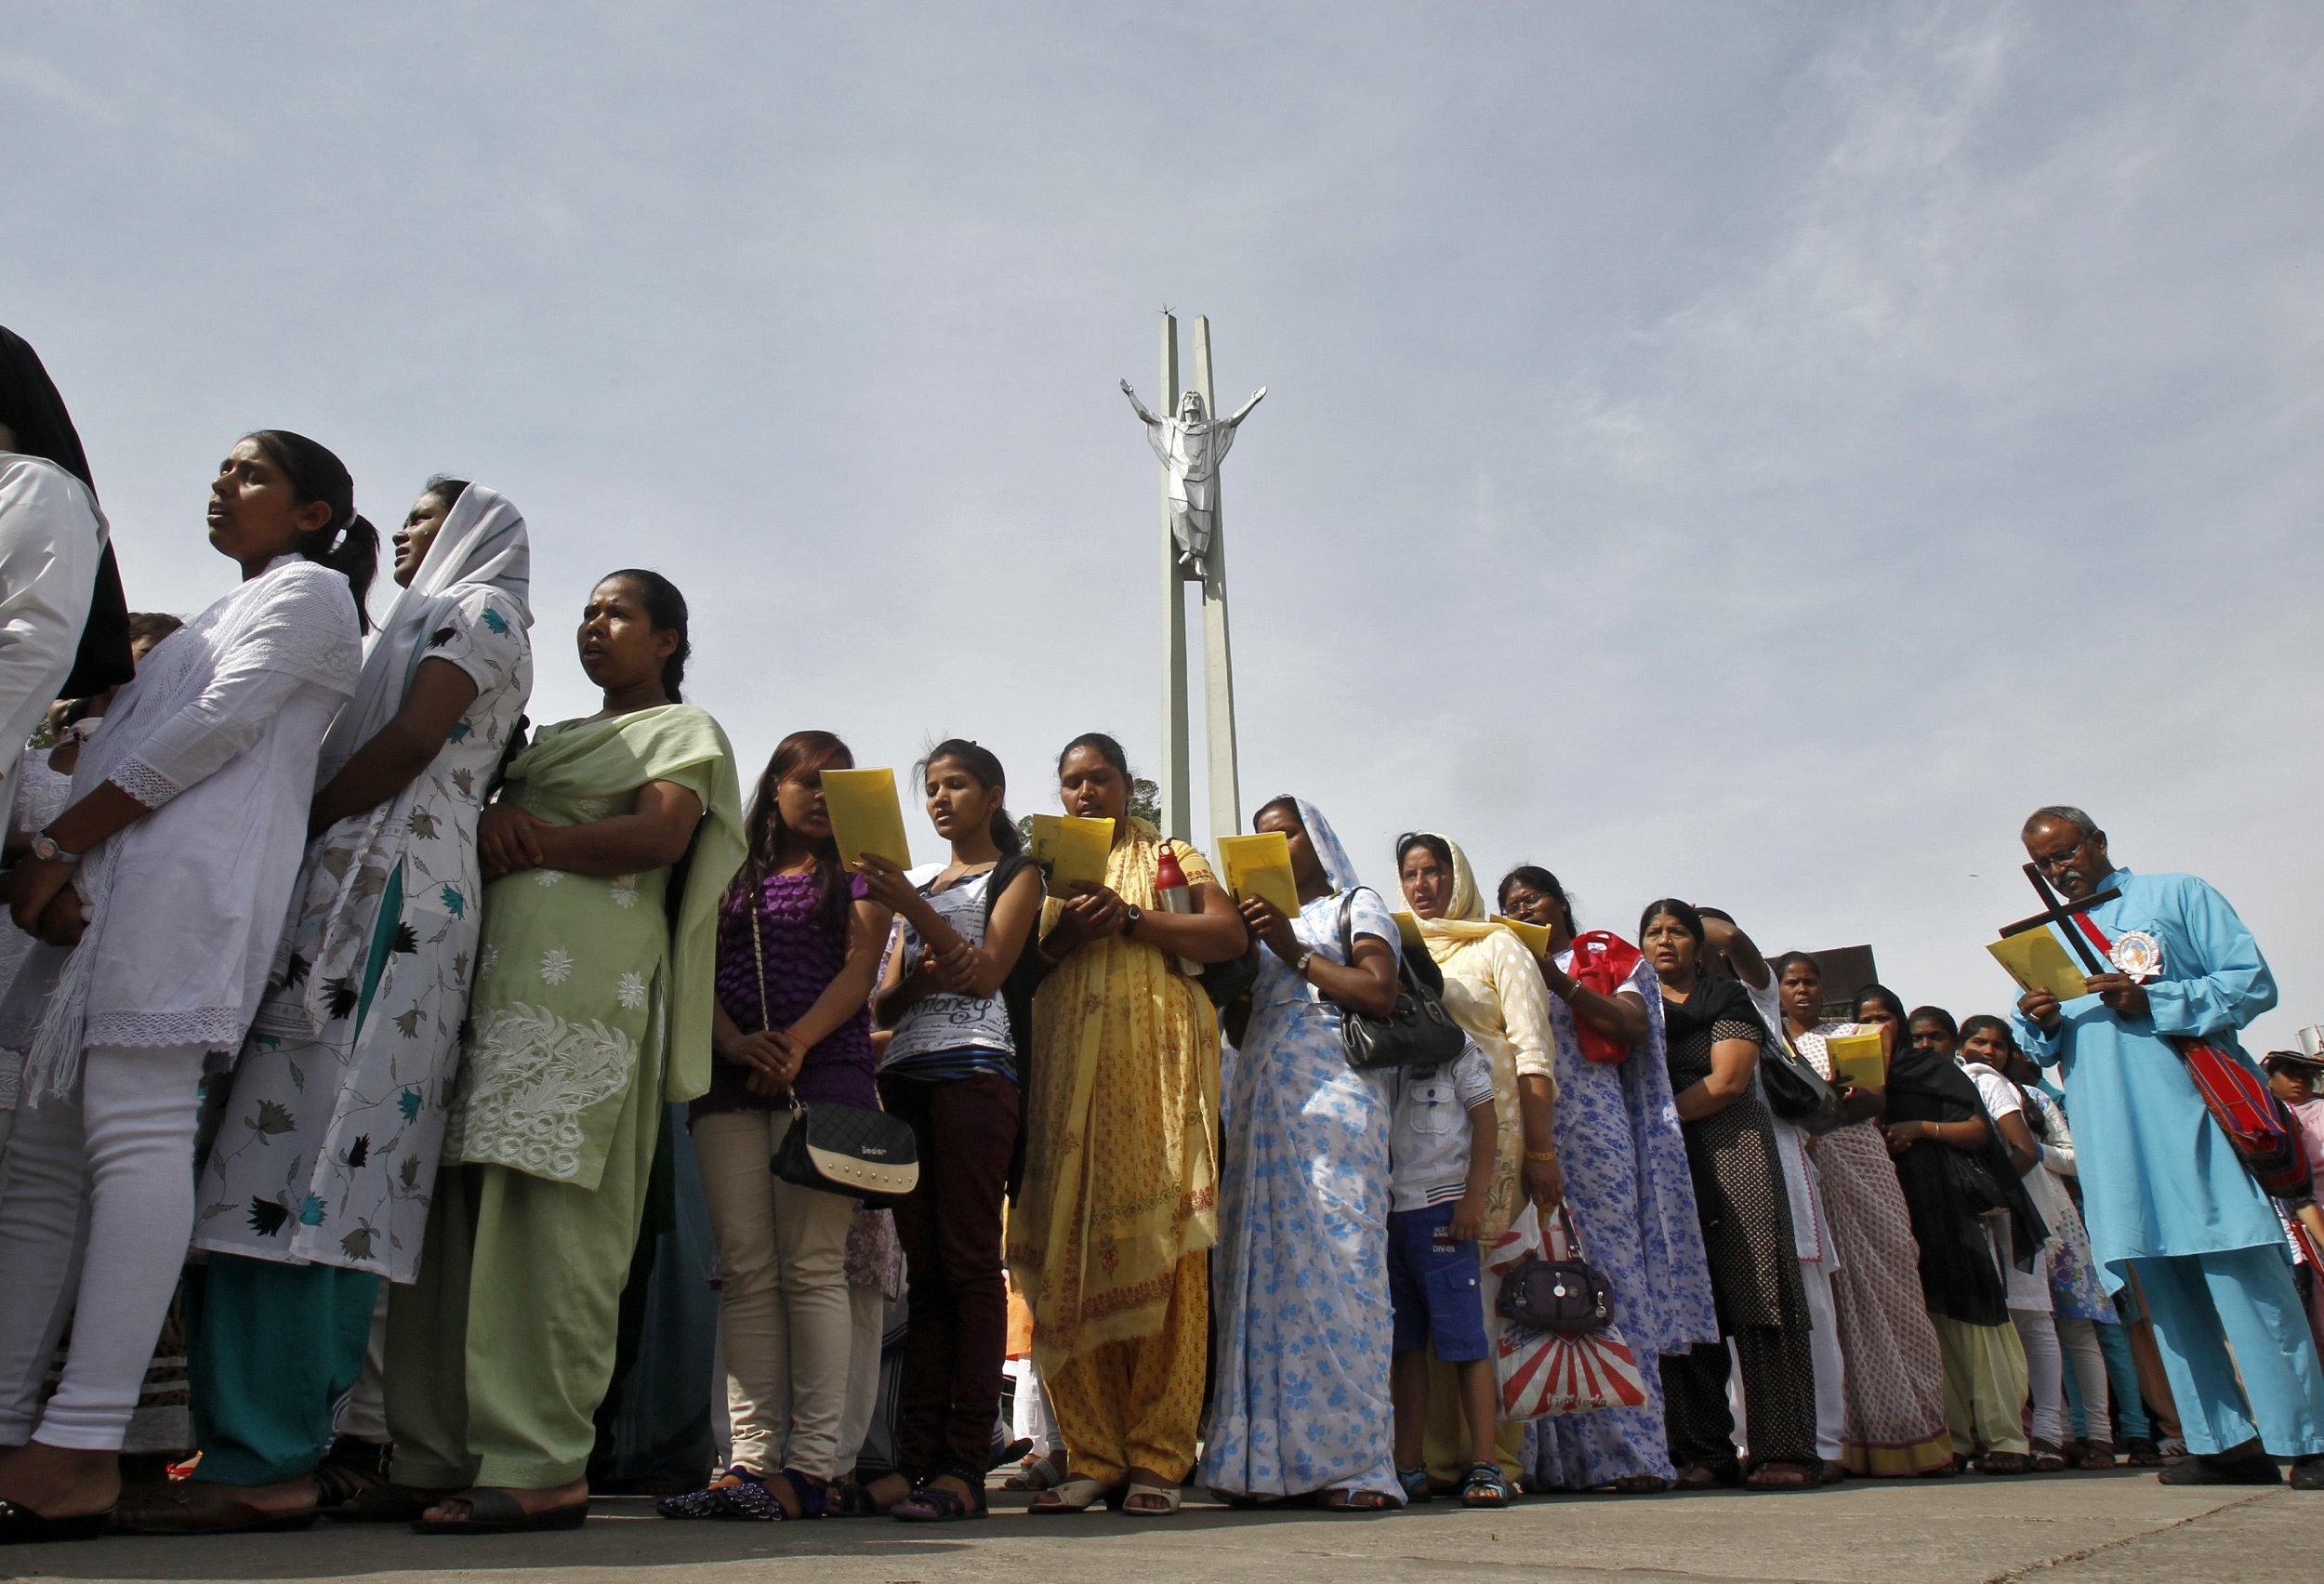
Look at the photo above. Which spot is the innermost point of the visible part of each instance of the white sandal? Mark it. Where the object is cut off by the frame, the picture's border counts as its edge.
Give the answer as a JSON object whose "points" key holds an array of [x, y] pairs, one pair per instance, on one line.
{"points": [[1076, 1495], [1168, 1496]]}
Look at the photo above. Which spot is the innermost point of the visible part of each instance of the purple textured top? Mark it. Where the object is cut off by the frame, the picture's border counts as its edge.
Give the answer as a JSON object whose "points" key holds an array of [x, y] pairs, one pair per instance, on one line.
{"points": [[803, 956]]}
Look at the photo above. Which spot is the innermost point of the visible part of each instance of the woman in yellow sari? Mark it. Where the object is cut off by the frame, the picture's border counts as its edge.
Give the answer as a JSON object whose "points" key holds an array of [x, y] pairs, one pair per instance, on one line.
{"points": [[1120, 1195], [1495, 992]]}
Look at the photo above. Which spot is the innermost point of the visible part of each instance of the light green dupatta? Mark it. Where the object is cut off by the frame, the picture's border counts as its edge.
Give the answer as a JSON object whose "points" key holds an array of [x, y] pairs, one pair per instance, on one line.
{"points": [[584, 983]]}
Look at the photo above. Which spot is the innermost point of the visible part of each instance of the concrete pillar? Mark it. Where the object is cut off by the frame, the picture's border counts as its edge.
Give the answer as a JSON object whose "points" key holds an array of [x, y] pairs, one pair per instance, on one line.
{"points": [[1226, 789], [1175, 777]]}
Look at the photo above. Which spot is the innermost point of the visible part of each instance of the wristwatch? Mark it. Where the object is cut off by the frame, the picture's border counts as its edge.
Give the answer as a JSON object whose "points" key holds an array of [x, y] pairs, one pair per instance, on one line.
{"points": [[1132, 914], [45, 848]]}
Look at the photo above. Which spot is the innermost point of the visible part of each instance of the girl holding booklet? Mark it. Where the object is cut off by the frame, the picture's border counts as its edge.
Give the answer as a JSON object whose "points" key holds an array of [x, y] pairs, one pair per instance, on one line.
{"points": [[951, 1069], [1120, 1195], [798, 947]]}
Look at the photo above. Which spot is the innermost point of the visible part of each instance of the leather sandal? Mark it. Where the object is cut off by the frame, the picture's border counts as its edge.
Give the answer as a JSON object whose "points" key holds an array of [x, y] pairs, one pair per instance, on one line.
{"points": [[2097, 1454], [1785, 1477], [198, 1506], [493, 1510], [351, 1467], [19, 1526], [933, 1504], [2046, 1457], [2253, 1467], [2003, 1463]]}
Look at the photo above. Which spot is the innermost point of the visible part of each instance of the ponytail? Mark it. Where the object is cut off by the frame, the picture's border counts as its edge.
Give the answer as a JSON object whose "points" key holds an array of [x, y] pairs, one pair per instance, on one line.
{"points": [[984, 765], [348, 544]]}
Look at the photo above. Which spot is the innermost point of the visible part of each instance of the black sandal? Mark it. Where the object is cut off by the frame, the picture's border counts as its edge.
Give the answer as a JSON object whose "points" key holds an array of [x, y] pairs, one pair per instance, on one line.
{"points": [[495, 1510], [755, 1498], [19, 1526], [351, 1469], [932, 1503], [707, 1502]]}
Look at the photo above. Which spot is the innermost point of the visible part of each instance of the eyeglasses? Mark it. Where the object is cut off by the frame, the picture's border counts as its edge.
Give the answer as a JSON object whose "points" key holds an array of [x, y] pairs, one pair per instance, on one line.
{"points": [[2056, 861]]}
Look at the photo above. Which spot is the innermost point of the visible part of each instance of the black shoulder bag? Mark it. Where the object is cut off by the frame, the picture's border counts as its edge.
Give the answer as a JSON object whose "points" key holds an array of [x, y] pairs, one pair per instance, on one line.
{"points": [[1419, 1033], [849, 1150]]}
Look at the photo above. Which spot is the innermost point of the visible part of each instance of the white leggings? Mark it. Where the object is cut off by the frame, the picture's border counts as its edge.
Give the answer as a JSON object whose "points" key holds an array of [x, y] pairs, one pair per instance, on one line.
{"points": [[2045, 1374], [94, 1218], [2080, 1340]]}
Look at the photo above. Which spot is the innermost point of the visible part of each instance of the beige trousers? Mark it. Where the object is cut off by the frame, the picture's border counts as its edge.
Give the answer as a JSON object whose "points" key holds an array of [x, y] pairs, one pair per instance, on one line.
{"points": [[785, 1321]]}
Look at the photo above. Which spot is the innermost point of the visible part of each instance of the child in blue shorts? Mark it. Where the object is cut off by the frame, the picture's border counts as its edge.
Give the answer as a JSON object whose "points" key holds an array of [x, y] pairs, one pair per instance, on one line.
{"points": [[1440, 1160]]}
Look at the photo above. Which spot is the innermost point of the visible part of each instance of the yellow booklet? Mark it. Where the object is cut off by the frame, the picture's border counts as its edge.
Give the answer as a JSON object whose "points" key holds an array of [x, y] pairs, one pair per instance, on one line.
{"points": [[1408, 926], [866, 816], [1072, 849], [1535, 936], [2036, 961], [1857, 1060], [1260, 865]]}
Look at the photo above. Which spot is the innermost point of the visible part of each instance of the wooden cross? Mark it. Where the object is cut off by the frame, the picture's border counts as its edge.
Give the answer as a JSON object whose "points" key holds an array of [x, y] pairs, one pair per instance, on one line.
{"points": [[2060, 914]]}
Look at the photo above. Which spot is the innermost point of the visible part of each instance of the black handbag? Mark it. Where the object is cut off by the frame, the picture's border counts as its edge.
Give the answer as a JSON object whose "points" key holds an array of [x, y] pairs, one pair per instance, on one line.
{"points": [[1419, 1033], [1796, 1092], [848, 1150], [1570, 1296]]}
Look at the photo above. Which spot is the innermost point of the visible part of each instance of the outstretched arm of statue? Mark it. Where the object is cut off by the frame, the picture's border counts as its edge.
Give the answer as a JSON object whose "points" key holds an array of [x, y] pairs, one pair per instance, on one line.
{"points": [[1244, 411], [1149, 417]]}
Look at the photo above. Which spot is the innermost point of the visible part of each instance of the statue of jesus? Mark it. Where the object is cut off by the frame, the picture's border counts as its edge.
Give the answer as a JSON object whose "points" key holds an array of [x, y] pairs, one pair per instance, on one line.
{"points": [[1191, 447]]}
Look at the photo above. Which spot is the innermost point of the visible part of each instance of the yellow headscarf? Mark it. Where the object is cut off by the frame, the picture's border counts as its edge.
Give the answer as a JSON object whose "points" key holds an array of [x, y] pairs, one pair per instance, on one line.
{"points": [[1464, 917]]}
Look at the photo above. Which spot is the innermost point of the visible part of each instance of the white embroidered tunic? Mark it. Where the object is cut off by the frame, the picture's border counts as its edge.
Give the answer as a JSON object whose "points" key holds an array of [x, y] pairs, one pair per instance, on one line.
{"points": [[219, 735]]}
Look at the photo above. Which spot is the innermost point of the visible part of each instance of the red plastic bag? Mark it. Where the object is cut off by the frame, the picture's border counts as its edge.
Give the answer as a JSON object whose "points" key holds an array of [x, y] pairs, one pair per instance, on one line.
{"points": [[1604, 962]]}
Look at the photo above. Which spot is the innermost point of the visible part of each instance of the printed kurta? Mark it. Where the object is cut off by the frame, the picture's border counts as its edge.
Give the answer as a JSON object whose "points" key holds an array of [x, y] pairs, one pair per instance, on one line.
{"points": [[1896, 1375], [2076, 1292], [581, 988], [1632, 1196], [1299, 1400], [2158, 1178], [328, 1149]]}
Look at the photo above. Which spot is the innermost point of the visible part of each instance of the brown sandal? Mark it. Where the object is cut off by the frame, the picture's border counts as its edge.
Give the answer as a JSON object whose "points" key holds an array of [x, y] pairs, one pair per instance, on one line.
{"points": [[1785, 1477]]}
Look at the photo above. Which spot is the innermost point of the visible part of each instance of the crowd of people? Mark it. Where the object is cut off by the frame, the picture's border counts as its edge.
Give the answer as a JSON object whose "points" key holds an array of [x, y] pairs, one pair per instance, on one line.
{"points": [[391, 1087]]}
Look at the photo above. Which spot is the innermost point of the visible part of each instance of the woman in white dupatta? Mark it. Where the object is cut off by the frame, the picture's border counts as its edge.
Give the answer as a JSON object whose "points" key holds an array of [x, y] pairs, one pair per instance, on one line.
{"points": [[161, 891], [319, 1181], [1299, 1403]]}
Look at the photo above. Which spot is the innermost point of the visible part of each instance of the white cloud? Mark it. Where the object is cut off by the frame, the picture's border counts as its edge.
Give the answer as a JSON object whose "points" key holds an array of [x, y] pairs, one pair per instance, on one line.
{"points": [[1750, 455]]}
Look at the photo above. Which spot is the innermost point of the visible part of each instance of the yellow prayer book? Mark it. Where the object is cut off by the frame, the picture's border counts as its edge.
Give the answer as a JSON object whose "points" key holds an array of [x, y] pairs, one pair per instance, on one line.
{"points": [[1535, 936], [1072, 849], [866, 816], [1409, 927], [1260, 865], [1857, 1060], [2036, 961]]}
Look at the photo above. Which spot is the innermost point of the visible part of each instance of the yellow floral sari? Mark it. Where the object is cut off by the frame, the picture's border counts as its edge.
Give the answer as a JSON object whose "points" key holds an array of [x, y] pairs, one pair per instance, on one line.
{"points": [[1121, 1123]]}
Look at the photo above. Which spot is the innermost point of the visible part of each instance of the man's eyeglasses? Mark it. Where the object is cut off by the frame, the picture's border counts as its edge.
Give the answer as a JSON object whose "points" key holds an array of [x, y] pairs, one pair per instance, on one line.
{"points": [[2056, 861]]}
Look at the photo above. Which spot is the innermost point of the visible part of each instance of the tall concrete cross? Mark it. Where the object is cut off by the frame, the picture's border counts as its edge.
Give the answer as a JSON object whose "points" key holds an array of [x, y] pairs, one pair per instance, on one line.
{"points": [[1190, 444]]}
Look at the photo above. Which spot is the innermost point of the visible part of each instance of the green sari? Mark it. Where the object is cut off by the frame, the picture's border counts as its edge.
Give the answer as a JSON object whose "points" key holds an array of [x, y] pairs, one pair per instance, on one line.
{"points": [[586, 984]]}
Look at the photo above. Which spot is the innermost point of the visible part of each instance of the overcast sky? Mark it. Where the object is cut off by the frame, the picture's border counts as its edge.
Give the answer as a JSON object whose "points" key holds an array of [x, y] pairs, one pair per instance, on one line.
{"points": [[1749, 453]]}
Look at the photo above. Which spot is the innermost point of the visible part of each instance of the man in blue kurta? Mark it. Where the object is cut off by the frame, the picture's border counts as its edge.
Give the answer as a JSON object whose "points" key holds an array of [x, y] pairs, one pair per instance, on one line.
{"points": [[2164, 1192]]}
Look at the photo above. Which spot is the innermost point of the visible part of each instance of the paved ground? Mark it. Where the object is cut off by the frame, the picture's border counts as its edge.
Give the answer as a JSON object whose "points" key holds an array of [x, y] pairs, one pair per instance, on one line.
{"points": [[2070, 1529]]}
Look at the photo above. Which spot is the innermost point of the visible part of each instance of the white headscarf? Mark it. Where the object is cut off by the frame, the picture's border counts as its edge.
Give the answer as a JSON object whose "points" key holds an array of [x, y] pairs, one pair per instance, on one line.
{"points": [[1338, 868], [483, 541]]}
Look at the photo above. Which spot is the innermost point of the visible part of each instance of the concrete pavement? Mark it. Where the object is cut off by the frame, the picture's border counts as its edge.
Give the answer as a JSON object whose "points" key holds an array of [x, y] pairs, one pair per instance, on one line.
{"points": [[2068, 1530]]}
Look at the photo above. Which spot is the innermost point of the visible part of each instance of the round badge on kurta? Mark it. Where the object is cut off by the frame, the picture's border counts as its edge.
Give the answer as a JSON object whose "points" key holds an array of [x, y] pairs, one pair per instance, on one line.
{"points": [[2139, 955]]}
